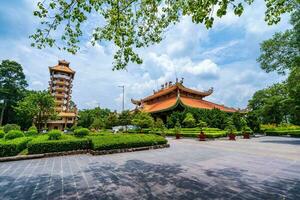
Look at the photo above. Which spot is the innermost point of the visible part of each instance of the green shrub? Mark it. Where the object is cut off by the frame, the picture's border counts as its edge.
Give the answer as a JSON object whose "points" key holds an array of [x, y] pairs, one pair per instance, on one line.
{"points": [[292, 133], [2, 133], [12, 134], [295, 133], [31, 131], [13, 147], [74, 127], [120, 141], [54, 135], [9, 127], [42, 145], [81, 132]]}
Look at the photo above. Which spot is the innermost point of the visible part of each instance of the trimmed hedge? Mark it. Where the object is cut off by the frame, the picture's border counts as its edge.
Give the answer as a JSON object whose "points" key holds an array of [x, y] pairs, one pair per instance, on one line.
{"points": [[32, 131], [292, 133], [217, 134], [13, 147], [54, 135], [12, 134], [125, 141], [43, 145], [2, 133], [81, 132], [9, 127]]}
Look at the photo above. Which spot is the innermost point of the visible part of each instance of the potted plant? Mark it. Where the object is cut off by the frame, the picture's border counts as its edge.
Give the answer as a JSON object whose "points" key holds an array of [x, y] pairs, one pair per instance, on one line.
{"points": [[201, 125], [177, 130], [245, 129], [230, 129]]}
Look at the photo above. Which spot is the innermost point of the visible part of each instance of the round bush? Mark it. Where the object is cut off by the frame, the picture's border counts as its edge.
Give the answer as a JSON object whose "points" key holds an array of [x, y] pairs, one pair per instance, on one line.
{"points": [[81, 132], [13, 134], [9, 127], [2, 133], [54, 135], [32, 131]]}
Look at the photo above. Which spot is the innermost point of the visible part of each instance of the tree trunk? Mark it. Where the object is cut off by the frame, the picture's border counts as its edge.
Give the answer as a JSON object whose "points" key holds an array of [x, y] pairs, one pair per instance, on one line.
{"points": [[2, 113]]}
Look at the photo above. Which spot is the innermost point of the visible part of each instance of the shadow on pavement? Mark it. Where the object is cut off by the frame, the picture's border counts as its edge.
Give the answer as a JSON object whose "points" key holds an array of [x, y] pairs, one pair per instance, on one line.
{"points": [[137, 179]]}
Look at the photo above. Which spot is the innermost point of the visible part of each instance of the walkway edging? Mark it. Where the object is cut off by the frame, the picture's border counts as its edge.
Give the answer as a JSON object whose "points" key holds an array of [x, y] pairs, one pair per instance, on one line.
{"points": [[75, 152]]}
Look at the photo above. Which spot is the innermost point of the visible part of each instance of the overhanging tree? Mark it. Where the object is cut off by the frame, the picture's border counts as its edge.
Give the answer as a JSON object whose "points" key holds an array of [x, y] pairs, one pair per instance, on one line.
{"points": [[281, 53], [132, 24], [38, 106], [12, 88]]}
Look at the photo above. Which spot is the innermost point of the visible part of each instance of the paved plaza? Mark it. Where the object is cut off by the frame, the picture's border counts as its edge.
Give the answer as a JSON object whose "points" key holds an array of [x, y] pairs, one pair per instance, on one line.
{"points": [[260, 168]]}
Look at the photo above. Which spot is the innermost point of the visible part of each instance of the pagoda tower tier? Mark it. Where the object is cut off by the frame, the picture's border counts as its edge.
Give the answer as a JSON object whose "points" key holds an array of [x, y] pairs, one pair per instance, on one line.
{"points": [[60, 87]]}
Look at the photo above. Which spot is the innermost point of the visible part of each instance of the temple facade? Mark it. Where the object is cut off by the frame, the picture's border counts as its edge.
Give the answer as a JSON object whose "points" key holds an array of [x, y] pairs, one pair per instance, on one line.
{"points": [[176, 97], [60, 87]]}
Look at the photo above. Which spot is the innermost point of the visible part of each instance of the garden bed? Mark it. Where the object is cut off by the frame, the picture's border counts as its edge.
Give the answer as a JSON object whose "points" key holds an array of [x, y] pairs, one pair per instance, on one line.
{"points": [[41, 144], [291, 133], [125, 141], [13, 147]]}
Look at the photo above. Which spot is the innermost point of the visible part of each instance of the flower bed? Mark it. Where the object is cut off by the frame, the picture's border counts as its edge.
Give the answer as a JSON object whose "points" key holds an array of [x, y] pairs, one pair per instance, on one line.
{"points": [[13, 147], [121, 141]]}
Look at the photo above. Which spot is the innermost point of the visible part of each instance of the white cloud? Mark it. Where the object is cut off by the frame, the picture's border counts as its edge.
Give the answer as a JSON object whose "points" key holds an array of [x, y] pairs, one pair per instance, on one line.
{"points": [[223, 58], [203, 68]]}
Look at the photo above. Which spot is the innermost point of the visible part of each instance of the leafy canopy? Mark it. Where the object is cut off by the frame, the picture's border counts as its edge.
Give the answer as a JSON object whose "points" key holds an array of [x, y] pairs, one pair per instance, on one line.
{"points": [[12, 87], [281, 53], [143, 120], [131, 24], [38, 105]]}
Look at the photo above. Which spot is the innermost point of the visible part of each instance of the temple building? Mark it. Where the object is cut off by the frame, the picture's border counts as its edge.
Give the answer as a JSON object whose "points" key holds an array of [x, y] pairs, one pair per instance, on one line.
{"points": [[176, 97], [61, 77]]}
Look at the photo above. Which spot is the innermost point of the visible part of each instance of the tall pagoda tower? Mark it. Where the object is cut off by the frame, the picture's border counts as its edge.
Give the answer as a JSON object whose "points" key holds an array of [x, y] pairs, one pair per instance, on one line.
{"points": [[61, 78]]}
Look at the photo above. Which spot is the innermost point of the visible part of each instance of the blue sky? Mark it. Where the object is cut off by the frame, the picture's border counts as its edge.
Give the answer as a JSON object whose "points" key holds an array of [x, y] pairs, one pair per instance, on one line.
{"points": [[223, 57]]}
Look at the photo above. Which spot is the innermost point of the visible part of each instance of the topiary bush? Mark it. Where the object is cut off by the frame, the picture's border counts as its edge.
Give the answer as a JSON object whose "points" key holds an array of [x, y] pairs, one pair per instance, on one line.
{"points": [[42, 145], [2, 133], [32, 131], [12, 134], [13, 147], [9, 127], [54, 135], [121, 141], [81, 132]]}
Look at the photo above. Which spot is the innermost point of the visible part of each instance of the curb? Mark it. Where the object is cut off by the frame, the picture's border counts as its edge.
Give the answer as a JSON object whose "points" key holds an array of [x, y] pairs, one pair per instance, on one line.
{"points": [[112, 151], [23, 157], [76, 152]]}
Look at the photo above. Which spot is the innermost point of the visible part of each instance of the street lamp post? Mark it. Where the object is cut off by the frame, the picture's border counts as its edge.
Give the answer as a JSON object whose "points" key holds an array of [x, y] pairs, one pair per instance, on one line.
{"points": [[2, 101], [123, 101]]}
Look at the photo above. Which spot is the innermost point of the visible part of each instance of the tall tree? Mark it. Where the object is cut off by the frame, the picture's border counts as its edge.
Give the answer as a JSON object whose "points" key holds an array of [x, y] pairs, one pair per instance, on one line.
{"points": [[281, 53], [272, 105], [38, 106], [125, 118], [132, 24], [143, 120], [293, 85], [12, 87]]}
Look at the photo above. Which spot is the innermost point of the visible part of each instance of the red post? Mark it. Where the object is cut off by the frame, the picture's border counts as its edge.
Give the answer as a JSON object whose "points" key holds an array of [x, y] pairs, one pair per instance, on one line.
{"points": [[202, 136], [231, 136]]}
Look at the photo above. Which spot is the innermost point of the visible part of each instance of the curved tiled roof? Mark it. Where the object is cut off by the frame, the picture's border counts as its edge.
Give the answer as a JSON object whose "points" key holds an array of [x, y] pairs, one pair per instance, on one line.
{"points": [[62, 66], [160, 106], [174, 87], [200, 103], [189, 102]]}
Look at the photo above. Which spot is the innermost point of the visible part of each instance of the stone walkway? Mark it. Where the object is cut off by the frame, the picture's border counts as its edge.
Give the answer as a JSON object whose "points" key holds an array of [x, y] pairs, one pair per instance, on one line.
{"points": [[260, 168]]}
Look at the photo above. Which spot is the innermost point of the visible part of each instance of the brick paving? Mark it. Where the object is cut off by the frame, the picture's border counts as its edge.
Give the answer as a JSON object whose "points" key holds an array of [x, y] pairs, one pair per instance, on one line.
{"points": [[260, 168]]}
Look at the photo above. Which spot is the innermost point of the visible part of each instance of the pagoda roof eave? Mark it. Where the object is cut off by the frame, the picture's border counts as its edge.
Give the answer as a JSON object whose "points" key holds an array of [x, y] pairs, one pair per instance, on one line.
{"points": [[192, 103], [175, 87]]}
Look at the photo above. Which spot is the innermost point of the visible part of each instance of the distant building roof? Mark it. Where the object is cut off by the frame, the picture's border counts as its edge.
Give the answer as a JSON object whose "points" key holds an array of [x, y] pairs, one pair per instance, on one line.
{"points": [[62, 66], [173, 94]]}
